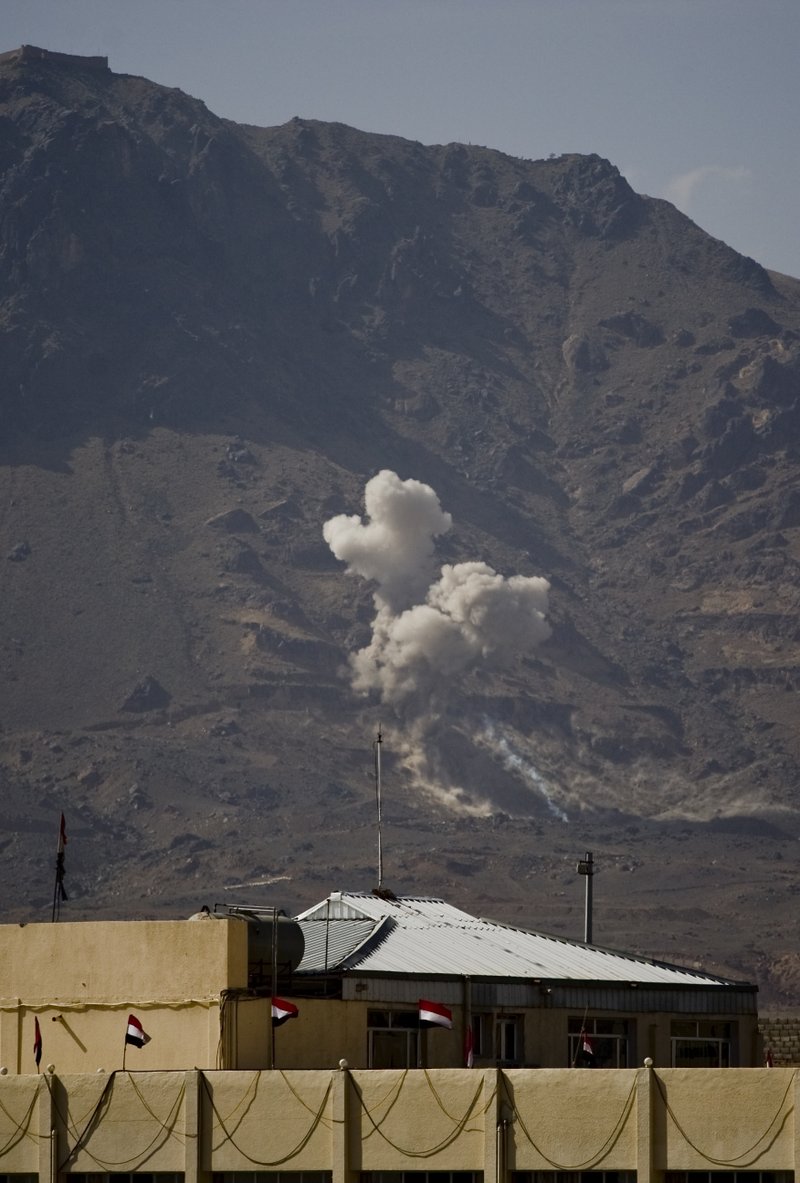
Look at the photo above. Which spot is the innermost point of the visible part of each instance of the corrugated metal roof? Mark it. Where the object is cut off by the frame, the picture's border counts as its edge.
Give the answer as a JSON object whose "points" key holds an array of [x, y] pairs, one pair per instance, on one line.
{"points": [[422, 935], [329, 943]]}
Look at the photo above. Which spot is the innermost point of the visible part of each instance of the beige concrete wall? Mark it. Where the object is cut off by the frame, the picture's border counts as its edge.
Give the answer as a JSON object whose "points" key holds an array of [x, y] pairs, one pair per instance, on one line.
{"points": [[267, 1121], [644, 1120], [571, 1120], [734, 1119], [252, 1032], [142, 1121], [433, 1118], [122, 959], [21, 1126], [324, 1033], [82, 980]]}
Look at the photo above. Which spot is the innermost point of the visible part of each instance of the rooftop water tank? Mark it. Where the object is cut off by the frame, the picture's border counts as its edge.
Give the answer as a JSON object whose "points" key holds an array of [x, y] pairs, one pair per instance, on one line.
{"points": [[289, 946]]}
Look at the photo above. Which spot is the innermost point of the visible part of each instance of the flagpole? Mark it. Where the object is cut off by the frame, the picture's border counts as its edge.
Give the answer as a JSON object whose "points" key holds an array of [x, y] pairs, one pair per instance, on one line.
{"points": [[58, 887], [56, 901], [274, 990]]}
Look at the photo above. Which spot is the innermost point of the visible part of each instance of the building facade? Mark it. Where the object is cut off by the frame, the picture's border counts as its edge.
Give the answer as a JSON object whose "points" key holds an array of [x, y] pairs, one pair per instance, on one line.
{"points": [[354, 1089], [356, 967], [518, 999]]}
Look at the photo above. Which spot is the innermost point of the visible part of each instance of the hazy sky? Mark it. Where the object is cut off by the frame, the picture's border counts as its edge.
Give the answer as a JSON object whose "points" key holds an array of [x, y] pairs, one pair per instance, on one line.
{"points": [[697, 101]]}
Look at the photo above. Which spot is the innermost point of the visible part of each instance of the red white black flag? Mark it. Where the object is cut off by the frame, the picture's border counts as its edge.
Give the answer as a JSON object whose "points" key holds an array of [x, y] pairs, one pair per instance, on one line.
{"points": [[469, 1049], [282, 1011], [37, 1043], [586, 1054], [433, 1014], [62, 842], [135, 1033]]}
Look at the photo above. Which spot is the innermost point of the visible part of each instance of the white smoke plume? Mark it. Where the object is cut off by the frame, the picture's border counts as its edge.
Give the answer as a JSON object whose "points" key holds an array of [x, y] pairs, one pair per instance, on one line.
{"points": [[515, 762], [428, 630]]}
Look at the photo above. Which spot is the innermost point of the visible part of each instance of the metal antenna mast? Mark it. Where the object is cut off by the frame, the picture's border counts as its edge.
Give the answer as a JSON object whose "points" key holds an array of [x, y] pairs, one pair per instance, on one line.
{"points": [[377, 749], [586, 867]]}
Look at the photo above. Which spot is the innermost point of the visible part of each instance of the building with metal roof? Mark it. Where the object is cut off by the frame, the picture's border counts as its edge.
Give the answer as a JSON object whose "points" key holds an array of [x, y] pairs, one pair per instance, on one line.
{"points": [[517, 997], [427, 936]]}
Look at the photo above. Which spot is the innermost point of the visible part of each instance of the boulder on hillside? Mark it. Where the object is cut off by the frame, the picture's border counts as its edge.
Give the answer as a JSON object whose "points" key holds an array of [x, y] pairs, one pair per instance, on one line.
{"points": [[147, 695]]}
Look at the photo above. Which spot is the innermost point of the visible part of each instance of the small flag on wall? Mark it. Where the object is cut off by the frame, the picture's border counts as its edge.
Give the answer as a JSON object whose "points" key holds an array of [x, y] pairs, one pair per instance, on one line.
{"points": [[433, 1014], [587, 1056], [469, 1044], [282, 1011], [135, 1034], [37, 1043]]}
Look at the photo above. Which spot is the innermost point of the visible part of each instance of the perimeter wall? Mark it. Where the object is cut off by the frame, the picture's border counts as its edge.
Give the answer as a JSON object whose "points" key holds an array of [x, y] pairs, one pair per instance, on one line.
{"points": [[344, 1122]]}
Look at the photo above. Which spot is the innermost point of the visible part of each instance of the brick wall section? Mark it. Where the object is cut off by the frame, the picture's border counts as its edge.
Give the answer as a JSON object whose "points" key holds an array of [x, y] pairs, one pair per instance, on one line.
{"points": [[781, 1033]]}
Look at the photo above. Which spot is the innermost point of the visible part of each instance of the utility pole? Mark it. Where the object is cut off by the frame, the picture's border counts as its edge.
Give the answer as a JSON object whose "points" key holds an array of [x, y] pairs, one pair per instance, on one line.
{"points": [[377, 750], [586, 867]]}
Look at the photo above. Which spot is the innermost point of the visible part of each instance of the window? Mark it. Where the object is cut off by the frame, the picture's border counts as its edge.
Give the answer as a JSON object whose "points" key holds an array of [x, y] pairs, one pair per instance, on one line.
{"points": [[392, 1038], [610, 1041], [573, 1177], [422, 1177], [120, 1177], [701, 1043], [497, 1037], [728, 1177], [269, 1177], [507, 1039]]}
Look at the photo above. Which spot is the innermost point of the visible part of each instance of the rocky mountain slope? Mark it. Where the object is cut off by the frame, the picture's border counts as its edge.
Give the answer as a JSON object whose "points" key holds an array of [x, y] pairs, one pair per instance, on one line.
{"points": [[212, 337]]}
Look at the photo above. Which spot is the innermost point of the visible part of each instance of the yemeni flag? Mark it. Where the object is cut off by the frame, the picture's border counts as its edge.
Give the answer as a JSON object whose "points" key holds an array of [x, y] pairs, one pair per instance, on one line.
{"points": [[282, 1011], [62, 842], [587, 1050], [136, 1035], [469, 1043], [433, 1014], [37, 1043]]}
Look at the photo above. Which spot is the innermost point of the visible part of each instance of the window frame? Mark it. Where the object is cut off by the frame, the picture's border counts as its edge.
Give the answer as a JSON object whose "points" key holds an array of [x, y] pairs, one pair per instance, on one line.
{"points": [[399, 1022], [724, 1042], [622, 1040], [490, 1032]]}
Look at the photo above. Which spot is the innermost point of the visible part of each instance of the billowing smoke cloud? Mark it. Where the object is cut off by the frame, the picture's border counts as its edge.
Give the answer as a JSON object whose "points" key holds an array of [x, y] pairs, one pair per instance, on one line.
{"points": [[395, 547], [427, 630]]}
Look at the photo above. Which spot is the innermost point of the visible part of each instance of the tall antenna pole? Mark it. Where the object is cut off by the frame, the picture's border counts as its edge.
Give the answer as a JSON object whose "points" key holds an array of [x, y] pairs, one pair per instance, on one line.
{"points": [[377, 747], [586, 867]]}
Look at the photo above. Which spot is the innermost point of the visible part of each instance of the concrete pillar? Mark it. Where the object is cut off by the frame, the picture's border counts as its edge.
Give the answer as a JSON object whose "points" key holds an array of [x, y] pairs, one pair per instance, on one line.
{"points": [[493, 1158], [645, 1090], [191, 1129], [51, 1147], [340, 1106]]}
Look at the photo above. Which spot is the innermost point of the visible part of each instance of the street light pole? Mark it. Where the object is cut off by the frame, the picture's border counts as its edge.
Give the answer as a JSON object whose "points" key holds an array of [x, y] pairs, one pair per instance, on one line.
{"points": [[586, 867]]}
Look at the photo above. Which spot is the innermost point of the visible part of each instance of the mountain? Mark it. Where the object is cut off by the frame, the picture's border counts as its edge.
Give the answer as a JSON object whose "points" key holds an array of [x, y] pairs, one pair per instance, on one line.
{"points": [[216, 340]]}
